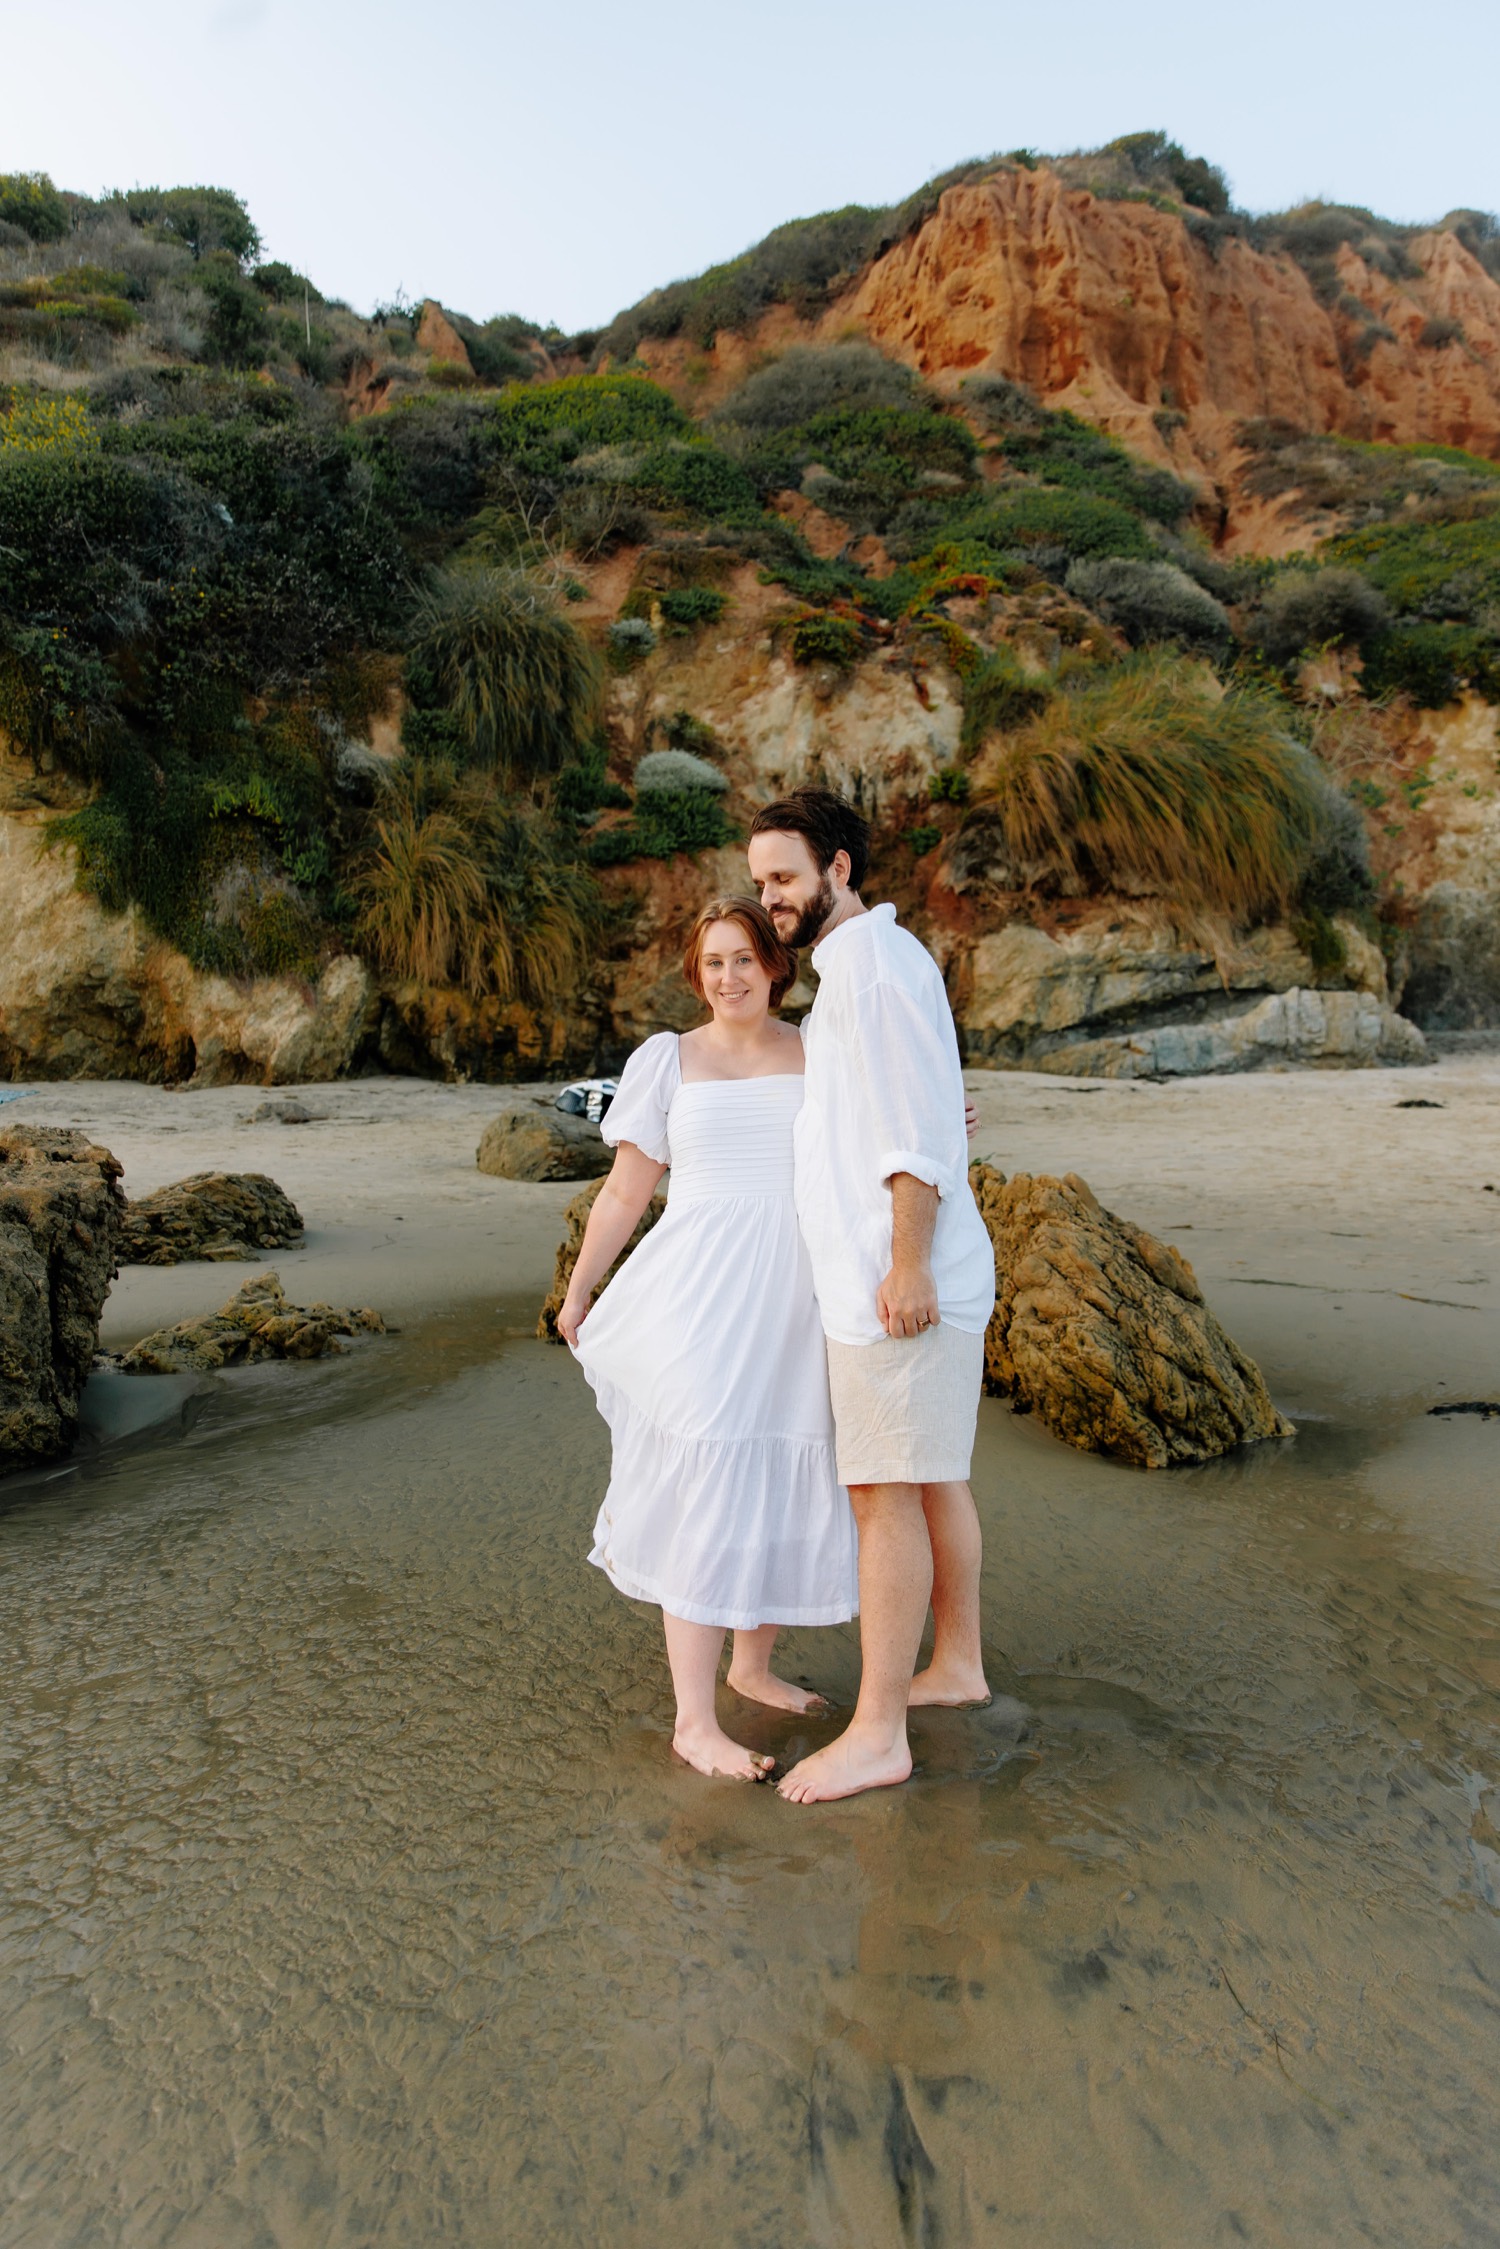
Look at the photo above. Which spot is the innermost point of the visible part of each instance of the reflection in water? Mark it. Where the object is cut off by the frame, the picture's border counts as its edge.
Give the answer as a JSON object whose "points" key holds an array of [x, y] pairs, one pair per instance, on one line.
{"points": [[348, 1892]]}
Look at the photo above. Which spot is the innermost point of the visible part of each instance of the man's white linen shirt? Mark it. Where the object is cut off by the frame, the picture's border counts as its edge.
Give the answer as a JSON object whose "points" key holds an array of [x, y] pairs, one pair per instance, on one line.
{"points": [[884, 1094]]}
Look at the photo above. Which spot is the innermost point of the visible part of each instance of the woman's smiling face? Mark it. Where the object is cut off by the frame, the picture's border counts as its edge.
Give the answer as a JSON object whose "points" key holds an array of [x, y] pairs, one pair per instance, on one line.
{"points": [[735, 985]]}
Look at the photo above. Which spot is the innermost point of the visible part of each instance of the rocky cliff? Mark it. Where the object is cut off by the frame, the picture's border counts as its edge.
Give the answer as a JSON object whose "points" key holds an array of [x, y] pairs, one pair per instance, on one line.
{"points": [[1158, 327]]}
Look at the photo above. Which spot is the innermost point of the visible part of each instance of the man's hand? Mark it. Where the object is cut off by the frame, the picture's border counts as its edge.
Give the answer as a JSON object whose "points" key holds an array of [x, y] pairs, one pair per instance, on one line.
{"points": [[906, 1300]]}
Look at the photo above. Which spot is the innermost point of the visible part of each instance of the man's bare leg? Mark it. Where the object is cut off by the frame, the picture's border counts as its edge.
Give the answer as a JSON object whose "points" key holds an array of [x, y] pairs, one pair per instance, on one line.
{"points": [[693, 1651], [750, 1674], [956, 1673], [895, 1581]]}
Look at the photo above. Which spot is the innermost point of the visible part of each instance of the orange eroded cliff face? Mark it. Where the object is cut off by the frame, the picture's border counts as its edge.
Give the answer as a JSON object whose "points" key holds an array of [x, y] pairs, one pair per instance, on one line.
{"points": [[1118, 310]]}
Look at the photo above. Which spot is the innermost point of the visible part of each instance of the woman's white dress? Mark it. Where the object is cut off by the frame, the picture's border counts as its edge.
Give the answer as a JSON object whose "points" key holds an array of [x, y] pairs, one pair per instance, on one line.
{"points": [[707, 1360]]}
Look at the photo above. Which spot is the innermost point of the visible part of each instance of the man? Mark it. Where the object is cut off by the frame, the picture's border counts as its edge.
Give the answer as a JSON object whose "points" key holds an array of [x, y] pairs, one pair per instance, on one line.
{"points": [[904, 1273]]}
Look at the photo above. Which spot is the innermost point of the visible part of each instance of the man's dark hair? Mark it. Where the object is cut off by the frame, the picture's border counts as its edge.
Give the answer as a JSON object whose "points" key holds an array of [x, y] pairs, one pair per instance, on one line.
{"points": [[827, 822]]}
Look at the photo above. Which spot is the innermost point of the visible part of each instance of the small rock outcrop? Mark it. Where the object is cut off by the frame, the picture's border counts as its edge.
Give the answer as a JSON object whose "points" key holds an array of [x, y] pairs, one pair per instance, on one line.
{"points": [[541, 1142], [1102, 1331], [257, 1323], [218, 1215], [60, 1215], [575, 1218]]}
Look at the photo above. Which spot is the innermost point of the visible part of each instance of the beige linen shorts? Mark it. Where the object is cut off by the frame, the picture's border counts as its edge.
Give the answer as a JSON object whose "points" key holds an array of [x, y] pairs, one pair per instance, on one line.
{"points": [[904, 1408]]}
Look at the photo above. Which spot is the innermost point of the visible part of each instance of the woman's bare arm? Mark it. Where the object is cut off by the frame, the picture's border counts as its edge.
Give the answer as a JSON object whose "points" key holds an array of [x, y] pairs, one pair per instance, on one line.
{"points": [[618, 1209]]}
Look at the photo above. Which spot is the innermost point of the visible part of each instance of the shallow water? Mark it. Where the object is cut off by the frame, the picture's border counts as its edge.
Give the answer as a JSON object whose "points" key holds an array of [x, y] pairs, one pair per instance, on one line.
{"points": [[349, 1894]]}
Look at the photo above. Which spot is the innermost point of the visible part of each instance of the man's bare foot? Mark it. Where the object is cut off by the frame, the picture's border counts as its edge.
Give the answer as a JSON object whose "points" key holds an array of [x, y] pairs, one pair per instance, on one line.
{"points": [[711, 1752], [948, 1687], [776, 1694], [846, 1768]]}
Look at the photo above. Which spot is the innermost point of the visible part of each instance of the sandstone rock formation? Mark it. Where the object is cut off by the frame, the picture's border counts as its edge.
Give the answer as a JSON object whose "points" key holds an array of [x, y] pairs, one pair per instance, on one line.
{"points": [[540, 1142], [258, 1323], [219, 1215], [90, 994], [60, 1215], [436, 334], [1103, 1332], [575, 1218]]}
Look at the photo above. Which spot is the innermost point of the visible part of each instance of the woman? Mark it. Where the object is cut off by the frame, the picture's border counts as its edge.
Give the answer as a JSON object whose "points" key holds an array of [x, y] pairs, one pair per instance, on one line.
{"points": [[706, 1352]]}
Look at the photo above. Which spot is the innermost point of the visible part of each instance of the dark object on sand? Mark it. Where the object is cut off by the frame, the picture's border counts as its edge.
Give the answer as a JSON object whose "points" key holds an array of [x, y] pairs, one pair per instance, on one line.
{"points": [[218, 1215], [258, 1323], [588, 1097], [575, 1218], [282, 1112], [1487, 1408], [60, 1214], [1102, 1331], [1421, 1104], [540, 1142]]}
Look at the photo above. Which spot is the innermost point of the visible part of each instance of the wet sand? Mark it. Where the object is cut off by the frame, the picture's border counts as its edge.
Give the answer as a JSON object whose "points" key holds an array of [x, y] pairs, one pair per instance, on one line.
{"points": [[348, 1893]]}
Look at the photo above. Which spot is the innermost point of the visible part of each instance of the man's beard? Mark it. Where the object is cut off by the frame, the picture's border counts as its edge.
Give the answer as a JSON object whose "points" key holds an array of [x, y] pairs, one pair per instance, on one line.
{"points": [[811, 919]]}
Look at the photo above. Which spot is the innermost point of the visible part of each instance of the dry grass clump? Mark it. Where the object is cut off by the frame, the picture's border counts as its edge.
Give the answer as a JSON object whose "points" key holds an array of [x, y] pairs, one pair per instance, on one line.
{"points": [[458, 887], [1146, 778]]}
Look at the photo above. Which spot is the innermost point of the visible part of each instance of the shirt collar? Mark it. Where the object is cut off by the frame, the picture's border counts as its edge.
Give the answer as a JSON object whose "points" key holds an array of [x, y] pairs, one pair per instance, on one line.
{"points": [[826, 947]]}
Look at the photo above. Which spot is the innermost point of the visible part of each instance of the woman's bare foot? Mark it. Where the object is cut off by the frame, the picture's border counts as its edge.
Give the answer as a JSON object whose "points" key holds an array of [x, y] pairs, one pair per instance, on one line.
{"points": [[847, 1767], [948, 1687], [776, 1694], [710, 1751]]}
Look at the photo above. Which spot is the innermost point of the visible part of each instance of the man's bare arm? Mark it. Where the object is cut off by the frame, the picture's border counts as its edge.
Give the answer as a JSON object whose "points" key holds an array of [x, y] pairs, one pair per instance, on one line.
{"points": [[906, 1299]]}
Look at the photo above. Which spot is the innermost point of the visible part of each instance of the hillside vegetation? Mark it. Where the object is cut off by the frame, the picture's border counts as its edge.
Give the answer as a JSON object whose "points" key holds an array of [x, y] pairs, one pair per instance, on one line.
{"points": [[222, 585]]}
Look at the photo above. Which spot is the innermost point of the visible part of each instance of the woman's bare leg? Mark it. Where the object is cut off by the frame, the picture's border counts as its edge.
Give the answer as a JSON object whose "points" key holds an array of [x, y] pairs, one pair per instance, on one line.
{"points": [[693, 1651], [750, 1674]]}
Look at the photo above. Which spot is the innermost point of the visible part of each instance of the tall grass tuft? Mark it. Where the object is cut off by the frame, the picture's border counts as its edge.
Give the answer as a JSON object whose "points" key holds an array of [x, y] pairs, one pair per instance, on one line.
{"points": [[1145, 778], [457, 887], [518, 677]]}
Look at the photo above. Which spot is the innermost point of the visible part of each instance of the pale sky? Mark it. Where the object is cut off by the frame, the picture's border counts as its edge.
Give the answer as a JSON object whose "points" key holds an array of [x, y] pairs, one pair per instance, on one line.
{"points": [[560, 160]]}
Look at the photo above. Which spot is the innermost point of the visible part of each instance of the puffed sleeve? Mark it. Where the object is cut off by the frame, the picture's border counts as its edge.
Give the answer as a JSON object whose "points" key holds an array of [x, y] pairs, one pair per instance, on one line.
{"points": [[638, 1112]]}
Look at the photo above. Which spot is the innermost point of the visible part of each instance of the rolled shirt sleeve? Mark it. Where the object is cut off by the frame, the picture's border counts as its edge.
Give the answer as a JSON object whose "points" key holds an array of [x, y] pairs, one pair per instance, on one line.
{"points": [[913, 1087]]}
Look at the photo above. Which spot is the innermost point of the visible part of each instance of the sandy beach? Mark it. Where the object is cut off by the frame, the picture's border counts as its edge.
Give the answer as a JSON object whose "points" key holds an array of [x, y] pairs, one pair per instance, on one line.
{"points": [[351, 1892]]}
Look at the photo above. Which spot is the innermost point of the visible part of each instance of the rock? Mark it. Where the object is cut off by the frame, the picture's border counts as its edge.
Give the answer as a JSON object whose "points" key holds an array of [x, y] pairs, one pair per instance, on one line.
{"points": [[280, 1112], [1296, 1029], [85, 993], [575, 1218], [1103, 1332], [1130, 997], [437, 334], [220, 1215], [60, 1215], [541, 1142], [258, 1323]]}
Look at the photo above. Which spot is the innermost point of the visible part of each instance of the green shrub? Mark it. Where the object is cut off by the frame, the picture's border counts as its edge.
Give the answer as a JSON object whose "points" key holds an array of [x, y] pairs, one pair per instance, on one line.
{"points": [[949, 785], [630, 642], [666, 770], [692, 605], [1321, 942], [1072, 453], [1317, 609], [583, 789], [666, 821], [515, 673], [238, 331], [923, 839], [28, 200], [1151, 601], [696, 480], [1432, 663], [1054, 527], [578, 413], [284, 285], [1437, 570], [814, 379], [1139, 778], [825, 639]]}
